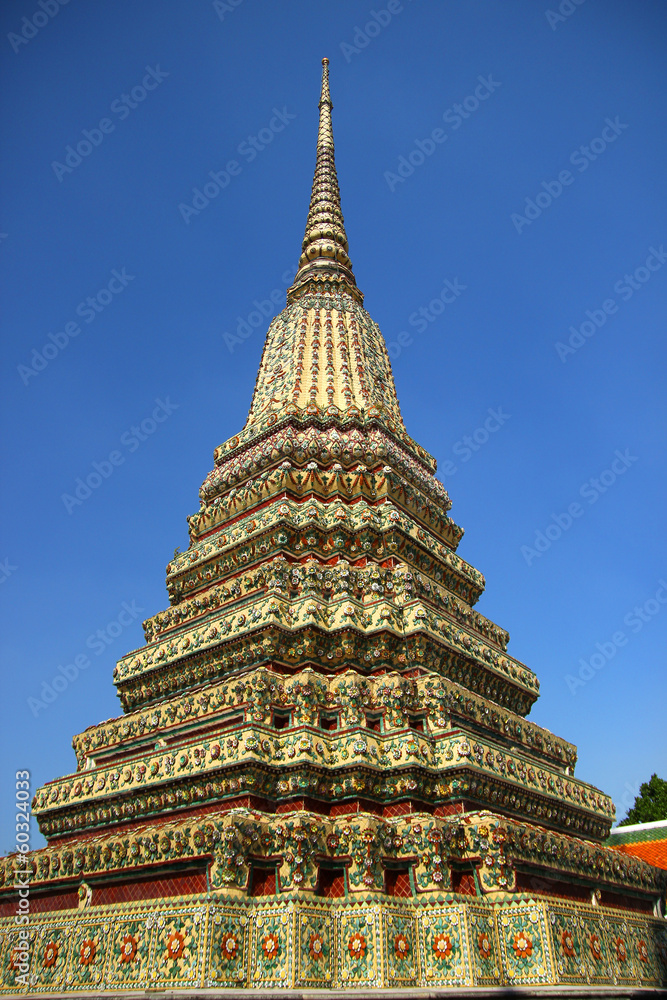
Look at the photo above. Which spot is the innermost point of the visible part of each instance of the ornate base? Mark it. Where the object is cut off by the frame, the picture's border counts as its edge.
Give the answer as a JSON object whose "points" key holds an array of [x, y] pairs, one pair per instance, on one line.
{"points": [[195, 945]]}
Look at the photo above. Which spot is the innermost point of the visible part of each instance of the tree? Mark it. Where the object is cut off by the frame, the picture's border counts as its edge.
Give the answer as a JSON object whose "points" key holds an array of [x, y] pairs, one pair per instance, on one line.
{"points": [[650, 804]]}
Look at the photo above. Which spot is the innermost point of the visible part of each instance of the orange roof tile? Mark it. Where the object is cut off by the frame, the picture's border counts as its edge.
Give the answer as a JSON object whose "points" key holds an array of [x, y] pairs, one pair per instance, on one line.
{"points": [[653, 851]]}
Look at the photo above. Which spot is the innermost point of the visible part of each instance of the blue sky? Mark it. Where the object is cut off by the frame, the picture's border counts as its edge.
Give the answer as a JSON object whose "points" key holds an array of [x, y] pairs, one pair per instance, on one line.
{"points": [[534, 200]]}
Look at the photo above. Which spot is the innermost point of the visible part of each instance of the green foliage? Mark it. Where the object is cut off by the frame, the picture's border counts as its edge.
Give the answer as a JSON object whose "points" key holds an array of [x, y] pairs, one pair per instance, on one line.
{"points": [[650, 804]]}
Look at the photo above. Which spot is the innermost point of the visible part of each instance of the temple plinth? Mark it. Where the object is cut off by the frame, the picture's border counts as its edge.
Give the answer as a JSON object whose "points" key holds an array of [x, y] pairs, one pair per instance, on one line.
{"points": [[324, 776]]}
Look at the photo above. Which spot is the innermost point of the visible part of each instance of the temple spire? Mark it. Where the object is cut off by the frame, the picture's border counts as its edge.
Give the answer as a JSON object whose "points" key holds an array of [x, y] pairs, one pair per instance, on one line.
{"points": [[324, 248]]}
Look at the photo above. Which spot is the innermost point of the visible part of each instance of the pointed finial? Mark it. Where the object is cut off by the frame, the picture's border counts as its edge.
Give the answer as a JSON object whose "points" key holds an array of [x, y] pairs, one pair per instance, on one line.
{"points": [[324, 248]]}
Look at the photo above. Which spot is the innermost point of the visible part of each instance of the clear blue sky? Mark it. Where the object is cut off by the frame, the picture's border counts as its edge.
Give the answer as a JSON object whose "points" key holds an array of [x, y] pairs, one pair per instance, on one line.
{"points": [[199, 82]]}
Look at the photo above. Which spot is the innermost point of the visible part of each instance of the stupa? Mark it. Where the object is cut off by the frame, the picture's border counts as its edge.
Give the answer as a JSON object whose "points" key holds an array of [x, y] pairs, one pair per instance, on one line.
{"points": [[324, 777]]}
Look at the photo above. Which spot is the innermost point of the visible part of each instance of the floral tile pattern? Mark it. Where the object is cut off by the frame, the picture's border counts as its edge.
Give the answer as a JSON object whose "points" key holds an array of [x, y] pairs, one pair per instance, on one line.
{"points": [[272, 947], [15, 960], [129, 952], [524, 944], [185, 944], [316, 953], [88, 955], [50, 951], [624, 957], [568, 945], [444, 947], [175, 950], [596, 949], [485, 957], [228, 947], [358, 948], [401, 949]]}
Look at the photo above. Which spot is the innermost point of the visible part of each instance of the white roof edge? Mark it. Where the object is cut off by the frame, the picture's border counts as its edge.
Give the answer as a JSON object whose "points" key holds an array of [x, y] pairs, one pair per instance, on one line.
{"points": [[639, 826]]}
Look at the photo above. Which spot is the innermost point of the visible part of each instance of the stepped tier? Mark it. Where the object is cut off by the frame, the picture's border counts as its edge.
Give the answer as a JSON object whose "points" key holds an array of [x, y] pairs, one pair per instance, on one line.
{"points": [[338, 739], [500, 853]]}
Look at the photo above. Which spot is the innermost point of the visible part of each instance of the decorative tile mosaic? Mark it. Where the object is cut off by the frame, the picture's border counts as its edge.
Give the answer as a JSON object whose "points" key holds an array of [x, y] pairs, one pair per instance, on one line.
{"points": [[316, 949], [485, 956], [358, 946], [523, 940], [445, 959], [228, 947], [272, 947], [335, 943], [401, 948]]}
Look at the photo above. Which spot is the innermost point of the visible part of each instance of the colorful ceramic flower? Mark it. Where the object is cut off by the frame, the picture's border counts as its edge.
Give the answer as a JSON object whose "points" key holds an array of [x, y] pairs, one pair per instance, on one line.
{"points": [[87, 952], [128, 948], [175, 945], [50, 954], [642, 951], [270, 946], [401, 947], [621, 950], [229, 946], [523, 946], [357, 945], [316, 947], [484, 945], [442, 946], [16, 959], [596, 947], [567, 943]]}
